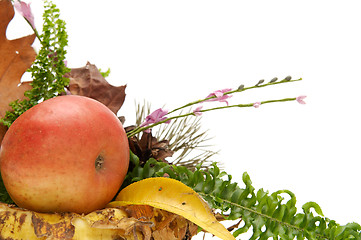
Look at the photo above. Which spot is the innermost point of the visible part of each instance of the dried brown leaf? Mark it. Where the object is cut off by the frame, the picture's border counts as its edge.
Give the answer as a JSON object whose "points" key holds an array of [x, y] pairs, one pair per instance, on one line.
{"points": [[140, 212], [88, 81], [159, 224], [149, 147], [164, 234], [16, 57]]}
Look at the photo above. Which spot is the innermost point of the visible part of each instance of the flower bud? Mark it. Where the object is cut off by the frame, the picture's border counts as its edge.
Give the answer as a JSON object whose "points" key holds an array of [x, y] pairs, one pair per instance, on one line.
{"points": [[260, 82], [273, 80], [288, 78]]}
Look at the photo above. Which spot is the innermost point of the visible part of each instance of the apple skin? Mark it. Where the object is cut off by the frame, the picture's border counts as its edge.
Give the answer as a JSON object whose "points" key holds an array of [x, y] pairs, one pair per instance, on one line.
{"points": [[66, 154]]}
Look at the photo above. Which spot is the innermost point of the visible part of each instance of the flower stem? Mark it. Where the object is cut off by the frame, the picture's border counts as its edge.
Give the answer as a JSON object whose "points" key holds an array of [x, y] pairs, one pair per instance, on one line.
{"points": [[234, 91], [249, 104], [35, 31], [263, 85], [140, 129]]}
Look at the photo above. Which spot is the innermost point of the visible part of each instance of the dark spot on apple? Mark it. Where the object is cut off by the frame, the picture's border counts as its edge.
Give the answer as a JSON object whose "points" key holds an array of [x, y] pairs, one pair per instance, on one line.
{"points": [[99, 162]]}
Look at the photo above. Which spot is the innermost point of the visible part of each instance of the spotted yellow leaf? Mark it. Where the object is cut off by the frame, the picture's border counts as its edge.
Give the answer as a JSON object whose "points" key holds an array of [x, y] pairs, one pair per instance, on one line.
{"points": [[173, 196]]}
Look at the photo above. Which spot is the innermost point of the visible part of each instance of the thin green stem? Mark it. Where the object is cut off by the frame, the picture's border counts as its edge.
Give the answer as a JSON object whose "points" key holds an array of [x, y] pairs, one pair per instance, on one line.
{"points": [[249, 104], [141, 129], [36, 34], [34, 30], [190, 104]]}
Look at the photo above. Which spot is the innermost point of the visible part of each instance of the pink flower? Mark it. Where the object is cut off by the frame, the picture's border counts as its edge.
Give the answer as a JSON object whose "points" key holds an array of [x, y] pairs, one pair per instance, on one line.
{"points": [[219, 96], [154, 117], [197, 111], [300, 99], [257, 104], [25, 11]]}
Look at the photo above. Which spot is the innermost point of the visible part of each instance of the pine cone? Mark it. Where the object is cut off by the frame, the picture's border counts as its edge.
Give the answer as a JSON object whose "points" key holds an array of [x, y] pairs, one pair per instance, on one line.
{"points": [[149, 147]]}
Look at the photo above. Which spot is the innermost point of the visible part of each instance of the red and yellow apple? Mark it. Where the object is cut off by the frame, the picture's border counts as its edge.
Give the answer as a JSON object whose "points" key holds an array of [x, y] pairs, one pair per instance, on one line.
{"points": [[66, 154]]}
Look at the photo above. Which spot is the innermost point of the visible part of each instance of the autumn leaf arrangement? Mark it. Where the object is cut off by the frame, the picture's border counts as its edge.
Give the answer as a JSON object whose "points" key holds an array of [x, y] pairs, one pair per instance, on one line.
{"points": [[260, 214]]}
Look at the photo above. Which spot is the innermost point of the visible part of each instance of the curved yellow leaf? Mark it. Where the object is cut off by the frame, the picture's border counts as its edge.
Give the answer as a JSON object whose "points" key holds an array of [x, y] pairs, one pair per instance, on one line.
{"points": [[173, 196]]}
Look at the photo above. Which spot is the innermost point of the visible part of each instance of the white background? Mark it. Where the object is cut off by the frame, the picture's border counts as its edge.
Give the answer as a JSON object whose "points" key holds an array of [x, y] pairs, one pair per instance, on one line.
{"points": [[174, 52]]}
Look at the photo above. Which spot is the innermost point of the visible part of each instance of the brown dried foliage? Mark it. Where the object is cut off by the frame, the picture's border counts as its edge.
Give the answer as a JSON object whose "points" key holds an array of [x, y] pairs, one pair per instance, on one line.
{"points": [[158, 224], [149, 147], [88, 81], [16, 57]]}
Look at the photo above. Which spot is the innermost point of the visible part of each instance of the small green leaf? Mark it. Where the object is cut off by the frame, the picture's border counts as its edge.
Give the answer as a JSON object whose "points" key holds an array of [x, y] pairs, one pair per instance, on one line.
{"points": [[307, 206], [106, 73]]}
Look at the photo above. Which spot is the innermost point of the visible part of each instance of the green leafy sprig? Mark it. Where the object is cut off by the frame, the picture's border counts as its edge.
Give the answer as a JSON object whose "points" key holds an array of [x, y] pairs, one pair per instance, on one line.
{"points": [[265, 215], [49, 67]]}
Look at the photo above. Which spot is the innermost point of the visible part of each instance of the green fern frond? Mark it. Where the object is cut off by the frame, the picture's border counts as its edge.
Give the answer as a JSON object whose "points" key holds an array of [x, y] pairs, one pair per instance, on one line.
{"points": [[265, 215], [49, 67]]}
